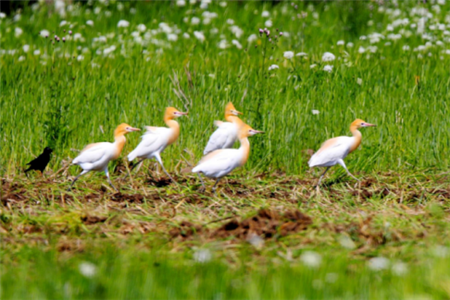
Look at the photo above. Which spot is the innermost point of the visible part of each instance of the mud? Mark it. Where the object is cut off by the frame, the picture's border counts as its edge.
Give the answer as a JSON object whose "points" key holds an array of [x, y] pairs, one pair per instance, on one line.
{"points": [[266, 224]]}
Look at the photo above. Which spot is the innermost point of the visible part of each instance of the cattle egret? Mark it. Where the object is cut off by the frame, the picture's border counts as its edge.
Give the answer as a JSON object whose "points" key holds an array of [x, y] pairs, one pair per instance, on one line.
{"points": [[95, 157], [227, 132], [156, 139], [221, 162], [333, 151]]}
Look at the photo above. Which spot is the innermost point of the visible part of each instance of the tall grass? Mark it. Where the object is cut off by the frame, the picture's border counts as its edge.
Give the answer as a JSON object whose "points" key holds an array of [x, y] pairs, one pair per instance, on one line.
{"points": [[135, 85]]}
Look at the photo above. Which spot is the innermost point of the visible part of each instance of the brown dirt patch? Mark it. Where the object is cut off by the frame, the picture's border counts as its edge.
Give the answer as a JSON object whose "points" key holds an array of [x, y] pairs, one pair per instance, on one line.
{"points": [[266, 223]]}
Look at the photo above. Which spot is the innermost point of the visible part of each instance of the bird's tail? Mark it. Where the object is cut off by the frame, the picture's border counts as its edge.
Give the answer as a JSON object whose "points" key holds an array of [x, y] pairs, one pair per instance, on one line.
{"points": [[132, 155]]}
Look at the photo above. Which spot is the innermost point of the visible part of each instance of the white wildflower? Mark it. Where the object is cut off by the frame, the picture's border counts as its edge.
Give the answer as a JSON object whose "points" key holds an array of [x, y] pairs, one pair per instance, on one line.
{"points": [[273, 67], [199, 35], [195, 21], [223, 44], [265, 14], [361, 49], [62, 23], [186, 35], [80, 57], [230, 21], [301, 54], [109, 50], [238, 32], [77, 36], [26, 48], [133, 11], [328, 68], [256, 241], [340, 43], [328, 56], [350, 45], [312, 66], [202, 255], [345, 240], [142, 27], [37, 52], [268, 23], [172, 37], [390, 28], [253, 37], [315, 112], [311, 259], [441, 251], [378, 263], [18, 31], [90, 22], [288, 54], [123, 23], [358, 81], [181, 3], [399, 268], [363, 38], [2, 15], [223, 4], [87, 269], [439, 43], [21, 58], [237, 44]]}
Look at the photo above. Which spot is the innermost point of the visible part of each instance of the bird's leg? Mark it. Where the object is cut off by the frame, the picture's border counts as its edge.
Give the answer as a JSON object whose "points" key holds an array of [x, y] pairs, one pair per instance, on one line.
{"points": [[203, 188], [109, 179], [214, 187], [139, 163], [158, 158], [320, 178], [341, 162], [76, 178]]}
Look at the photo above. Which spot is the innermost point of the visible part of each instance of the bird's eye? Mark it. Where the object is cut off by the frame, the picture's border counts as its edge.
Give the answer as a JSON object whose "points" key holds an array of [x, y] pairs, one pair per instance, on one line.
{"points": [[362, 124], [174, 112]]}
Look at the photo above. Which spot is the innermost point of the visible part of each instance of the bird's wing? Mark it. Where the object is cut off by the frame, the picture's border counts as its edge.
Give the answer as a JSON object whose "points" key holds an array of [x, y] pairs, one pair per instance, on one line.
{"points": [[223, 137], [152, 141], [223, 160], [93, 153], [331, 151]]}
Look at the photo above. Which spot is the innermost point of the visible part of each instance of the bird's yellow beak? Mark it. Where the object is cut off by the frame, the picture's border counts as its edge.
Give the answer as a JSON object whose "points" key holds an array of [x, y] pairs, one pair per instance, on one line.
{"points": [[257, 131], [134, 129], [369, 125], [235, 112], [180, 113]]}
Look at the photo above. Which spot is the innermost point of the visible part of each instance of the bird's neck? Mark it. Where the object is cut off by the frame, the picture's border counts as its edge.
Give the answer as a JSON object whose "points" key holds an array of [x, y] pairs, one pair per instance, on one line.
{"points": [[357, 135], [245, 149], [119, 142], [233, 119], [172, 124]]}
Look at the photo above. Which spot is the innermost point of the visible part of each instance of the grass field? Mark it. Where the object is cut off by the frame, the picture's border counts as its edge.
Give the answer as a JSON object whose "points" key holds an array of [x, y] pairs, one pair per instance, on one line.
{"points": [[268, 233]]}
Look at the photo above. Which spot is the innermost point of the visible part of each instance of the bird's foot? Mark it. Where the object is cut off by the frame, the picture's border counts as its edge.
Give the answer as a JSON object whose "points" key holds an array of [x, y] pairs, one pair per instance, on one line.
{"points": [[202, 189]]}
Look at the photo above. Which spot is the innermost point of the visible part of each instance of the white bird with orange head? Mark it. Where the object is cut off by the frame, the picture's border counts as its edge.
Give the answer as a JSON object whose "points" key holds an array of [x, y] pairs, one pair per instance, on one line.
{"points": [[227, 132], [95, 157], [221, 162], [156, 139], [333, 151]]}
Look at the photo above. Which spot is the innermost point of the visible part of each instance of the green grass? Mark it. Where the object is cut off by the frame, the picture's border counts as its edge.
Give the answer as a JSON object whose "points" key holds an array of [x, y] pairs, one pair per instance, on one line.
{"points": [[399, 211]]}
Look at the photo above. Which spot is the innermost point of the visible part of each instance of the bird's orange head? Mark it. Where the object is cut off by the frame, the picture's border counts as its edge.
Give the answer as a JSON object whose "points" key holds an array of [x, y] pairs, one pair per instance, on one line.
{"points": [[172, 113], [358, 123], [231, 111], [123, 129], [246, 131]]}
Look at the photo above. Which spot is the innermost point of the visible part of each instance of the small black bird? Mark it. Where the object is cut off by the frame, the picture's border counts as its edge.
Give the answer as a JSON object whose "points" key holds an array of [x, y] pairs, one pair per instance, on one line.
{"points": [[40, 162]]}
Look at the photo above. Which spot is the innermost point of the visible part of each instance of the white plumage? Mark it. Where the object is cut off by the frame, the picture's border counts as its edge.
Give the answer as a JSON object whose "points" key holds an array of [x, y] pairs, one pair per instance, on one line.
{"points": [[224, 137], [329, 156], [334, 150], [221, 162], [95, 157], [227, 133], [156, 139]]}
